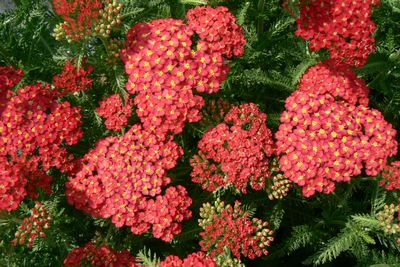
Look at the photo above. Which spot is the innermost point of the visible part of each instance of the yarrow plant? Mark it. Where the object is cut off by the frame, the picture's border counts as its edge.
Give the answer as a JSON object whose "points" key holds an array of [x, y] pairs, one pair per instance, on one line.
{"points": [[235, 152], [344, 27], [96, 255], [34, 226], [224, 225], [328, 133], [163, 69], [153, 133], [119, 177]]}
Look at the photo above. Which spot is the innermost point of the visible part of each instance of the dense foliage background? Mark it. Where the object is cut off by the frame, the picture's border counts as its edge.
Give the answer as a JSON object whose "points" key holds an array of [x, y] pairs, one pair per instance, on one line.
{"points": [[337, 229]]}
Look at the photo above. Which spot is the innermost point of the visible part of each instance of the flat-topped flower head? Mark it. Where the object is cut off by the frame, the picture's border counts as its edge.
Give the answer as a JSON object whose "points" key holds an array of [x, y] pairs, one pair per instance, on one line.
{"points": [[235, 152], [123, 178], [217, 30], [337, 79], [344, 27], [164, 65], [34, 131], [322, 141]]}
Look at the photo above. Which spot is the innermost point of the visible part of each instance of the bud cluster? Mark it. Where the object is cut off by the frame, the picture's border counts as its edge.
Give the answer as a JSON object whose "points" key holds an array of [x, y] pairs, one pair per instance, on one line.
{"points": [[389, 223], [279, 185], [33, 226], [226, 260], [109, 17], [114, 47], [232, 227]]}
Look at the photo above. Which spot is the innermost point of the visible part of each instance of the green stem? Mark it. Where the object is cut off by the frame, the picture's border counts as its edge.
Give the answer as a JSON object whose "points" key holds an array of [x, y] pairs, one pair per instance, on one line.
{"points": [[46, 45], [260, 21], [105, 240], [15, 220], [104, 42], [375, 79]]}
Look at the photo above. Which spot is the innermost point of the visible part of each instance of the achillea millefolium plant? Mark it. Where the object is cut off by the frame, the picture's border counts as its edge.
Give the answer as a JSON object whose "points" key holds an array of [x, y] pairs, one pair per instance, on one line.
{"points": [[170, 133]]}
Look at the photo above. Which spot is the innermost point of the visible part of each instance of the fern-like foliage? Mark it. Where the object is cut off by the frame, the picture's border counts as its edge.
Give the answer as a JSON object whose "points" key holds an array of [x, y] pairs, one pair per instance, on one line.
{"points": [[146, 258], [301, 237], [348, 239]]}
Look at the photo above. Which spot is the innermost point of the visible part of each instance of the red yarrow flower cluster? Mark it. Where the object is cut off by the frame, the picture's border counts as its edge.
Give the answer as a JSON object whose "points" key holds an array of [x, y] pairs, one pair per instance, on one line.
{"points": [[100, 256], [73, 79], [217, 30], [235, 152], [337, 79], [163, 69], [8, 78], [34, 129], [78, 16], [115, 112], [158, 62], [322, 141], [120, 177], [232, 227], [33, 226], [19, 179], [196, 259], [12, 185], [344, 27], [35, 126], [166, 211], [391, 176]]}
